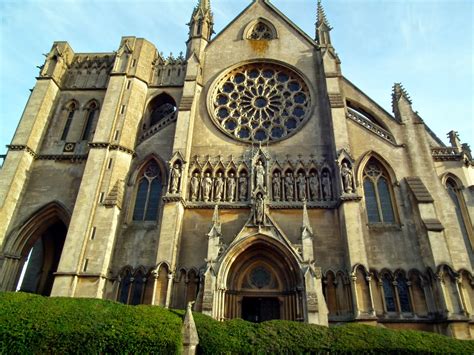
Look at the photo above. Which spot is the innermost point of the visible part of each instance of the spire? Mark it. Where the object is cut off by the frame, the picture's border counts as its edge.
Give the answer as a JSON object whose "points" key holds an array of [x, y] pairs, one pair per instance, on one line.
{"points": [[398, 92], [202, 21], [216, 224], [306, 230], [322, 26]]}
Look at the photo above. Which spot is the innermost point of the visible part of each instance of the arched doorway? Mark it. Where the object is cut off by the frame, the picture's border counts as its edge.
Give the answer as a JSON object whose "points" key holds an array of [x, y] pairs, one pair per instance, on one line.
{"points": [[42, 259], [32, 253], [263, 283]]}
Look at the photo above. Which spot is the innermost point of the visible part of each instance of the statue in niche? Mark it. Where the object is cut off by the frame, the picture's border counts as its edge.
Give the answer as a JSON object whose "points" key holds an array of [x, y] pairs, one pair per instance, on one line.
{"points": [[326, 186], [206, 187], [289, 186], [231, 187], [347, 178], [276, 187], [259, 175], [194, 187], [314, 187], [175, 176], [219, 187], [301, 182], [259, 209], [243, 187]]}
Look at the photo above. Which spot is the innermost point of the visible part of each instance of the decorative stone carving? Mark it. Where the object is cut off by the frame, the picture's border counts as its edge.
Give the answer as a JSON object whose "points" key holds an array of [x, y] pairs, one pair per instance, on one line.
{"points": [[195, 183], [260, 102], [326, 186], [347, 178], [259, 175], [206, 187], [276, 186], [301, 182], [314, 187], [218, 187], [231, 184], [243, 186], [289, 186], [259, 209], [175, 178]]}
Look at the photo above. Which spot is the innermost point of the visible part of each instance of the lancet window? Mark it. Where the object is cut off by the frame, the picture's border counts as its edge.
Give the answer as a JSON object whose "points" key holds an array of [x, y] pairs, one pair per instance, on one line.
{"points": [[378, 194], [132, 287], [71, 109], [148, 194], [90, 115]]}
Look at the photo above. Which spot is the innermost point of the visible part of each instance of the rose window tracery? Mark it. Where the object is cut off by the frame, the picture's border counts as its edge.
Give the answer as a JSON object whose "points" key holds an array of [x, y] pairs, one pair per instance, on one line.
{"points": [[260, 102]]}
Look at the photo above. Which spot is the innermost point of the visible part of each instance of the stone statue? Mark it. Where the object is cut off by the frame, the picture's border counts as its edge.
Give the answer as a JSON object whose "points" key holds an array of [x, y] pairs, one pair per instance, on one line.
{"points": [[259, 209], [301, 182], [314, 187], [276, 187], [326, 185], [206, 187], [194, 187], [289, 186], [259, 175], [231, 188], [347, 178], [243, 187], [219, 187], [175, 176]]}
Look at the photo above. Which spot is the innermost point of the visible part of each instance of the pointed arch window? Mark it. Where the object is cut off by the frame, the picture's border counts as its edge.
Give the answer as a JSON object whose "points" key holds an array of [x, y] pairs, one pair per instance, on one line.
{"points": [[71, 109], [148, 193], [462, 215], [91, 113], [378, 193], [261, 31], [389, 295], [403, 294], [132, 287]]}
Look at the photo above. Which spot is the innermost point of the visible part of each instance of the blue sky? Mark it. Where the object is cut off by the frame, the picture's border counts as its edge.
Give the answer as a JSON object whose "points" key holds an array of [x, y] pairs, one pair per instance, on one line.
{"points": [[426, 45]]}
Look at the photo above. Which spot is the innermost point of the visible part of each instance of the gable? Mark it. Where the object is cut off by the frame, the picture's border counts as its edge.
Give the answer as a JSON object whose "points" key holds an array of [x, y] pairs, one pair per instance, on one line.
{"points": [[231, 45]]}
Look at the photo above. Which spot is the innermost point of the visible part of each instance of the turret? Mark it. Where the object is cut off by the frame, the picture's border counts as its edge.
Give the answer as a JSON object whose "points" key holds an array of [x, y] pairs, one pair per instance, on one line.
{"points": [[200, 26], [322, 27]]}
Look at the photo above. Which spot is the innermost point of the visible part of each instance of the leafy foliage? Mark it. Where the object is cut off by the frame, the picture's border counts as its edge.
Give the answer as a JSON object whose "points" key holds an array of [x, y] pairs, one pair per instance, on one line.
{"points": [[35, 324]]}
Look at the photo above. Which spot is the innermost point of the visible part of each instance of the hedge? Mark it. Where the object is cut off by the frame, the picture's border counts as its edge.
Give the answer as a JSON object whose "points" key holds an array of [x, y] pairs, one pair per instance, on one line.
{"points": [[238, 336], [36, 324]]}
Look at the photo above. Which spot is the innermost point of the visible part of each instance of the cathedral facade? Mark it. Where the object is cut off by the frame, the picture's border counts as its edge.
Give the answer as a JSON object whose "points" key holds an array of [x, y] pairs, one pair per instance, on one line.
{"points": [[248, 176]]}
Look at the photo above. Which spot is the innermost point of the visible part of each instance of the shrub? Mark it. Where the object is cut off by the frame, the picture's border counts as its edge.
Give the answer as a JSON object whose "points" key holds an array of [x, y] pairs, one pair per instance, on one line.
{"points": [[35, 324]]}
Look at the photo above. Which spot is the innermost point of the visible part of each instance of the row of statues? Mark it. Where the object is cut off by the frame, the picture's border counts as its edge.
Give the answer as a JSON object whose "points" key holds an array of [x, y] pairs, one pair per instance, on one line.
{"points": [[301, 188], [219, 188], [289, 187]]}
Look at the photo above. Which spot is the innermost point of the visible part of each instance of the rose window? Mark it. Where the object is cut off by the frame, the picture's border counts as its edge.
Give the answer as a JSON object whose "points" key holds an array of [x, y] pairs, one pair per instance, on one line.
{"points": [[260, 103]]}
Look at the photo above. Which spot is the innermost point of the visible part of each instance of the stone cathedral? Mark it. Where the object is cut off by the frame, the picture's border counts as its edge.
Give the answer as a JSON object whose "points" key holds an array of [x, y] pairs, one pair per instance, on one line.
{"points": [[248, 175]]}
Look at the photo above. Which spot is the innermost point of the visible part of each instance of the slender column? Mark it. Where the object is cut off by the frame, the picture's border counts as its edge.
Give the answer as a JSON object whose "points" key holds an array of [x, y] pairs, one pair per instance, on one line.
{"points": [[412, 298], [382, 293], [460, 295], [169, 290], [371, 297], [355, 301]]}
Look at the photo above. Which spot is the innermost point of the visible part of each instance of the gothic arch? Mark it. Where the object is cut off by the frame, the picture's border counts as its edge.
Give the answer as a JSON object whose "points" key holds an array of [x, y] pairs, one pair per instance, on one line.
{"points": [[149, 185], [43, 233], [364, 159], [260, 268], [268, 31], [376, 184], [138, 167]]}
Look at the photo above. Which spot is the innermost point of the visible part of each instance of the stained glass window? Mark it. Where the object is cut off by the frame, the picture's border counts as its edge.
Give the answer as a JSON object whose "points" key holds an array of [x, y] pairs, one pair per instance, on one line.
{"points": [[148, 194], [378, 194]]}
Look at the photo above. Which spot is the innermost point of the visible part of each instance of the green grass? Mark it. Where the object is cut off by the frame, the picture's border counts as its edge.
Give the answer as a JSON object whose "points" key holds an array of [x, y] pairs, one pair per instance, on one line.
{"points": [[31, 324]]}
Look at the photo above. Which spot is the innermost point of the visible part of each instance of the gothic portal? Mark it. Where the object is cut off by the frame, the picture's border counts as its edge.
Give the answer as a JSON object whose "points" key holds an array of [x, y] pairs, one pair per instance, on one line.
{"points": [[248, 175]]}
